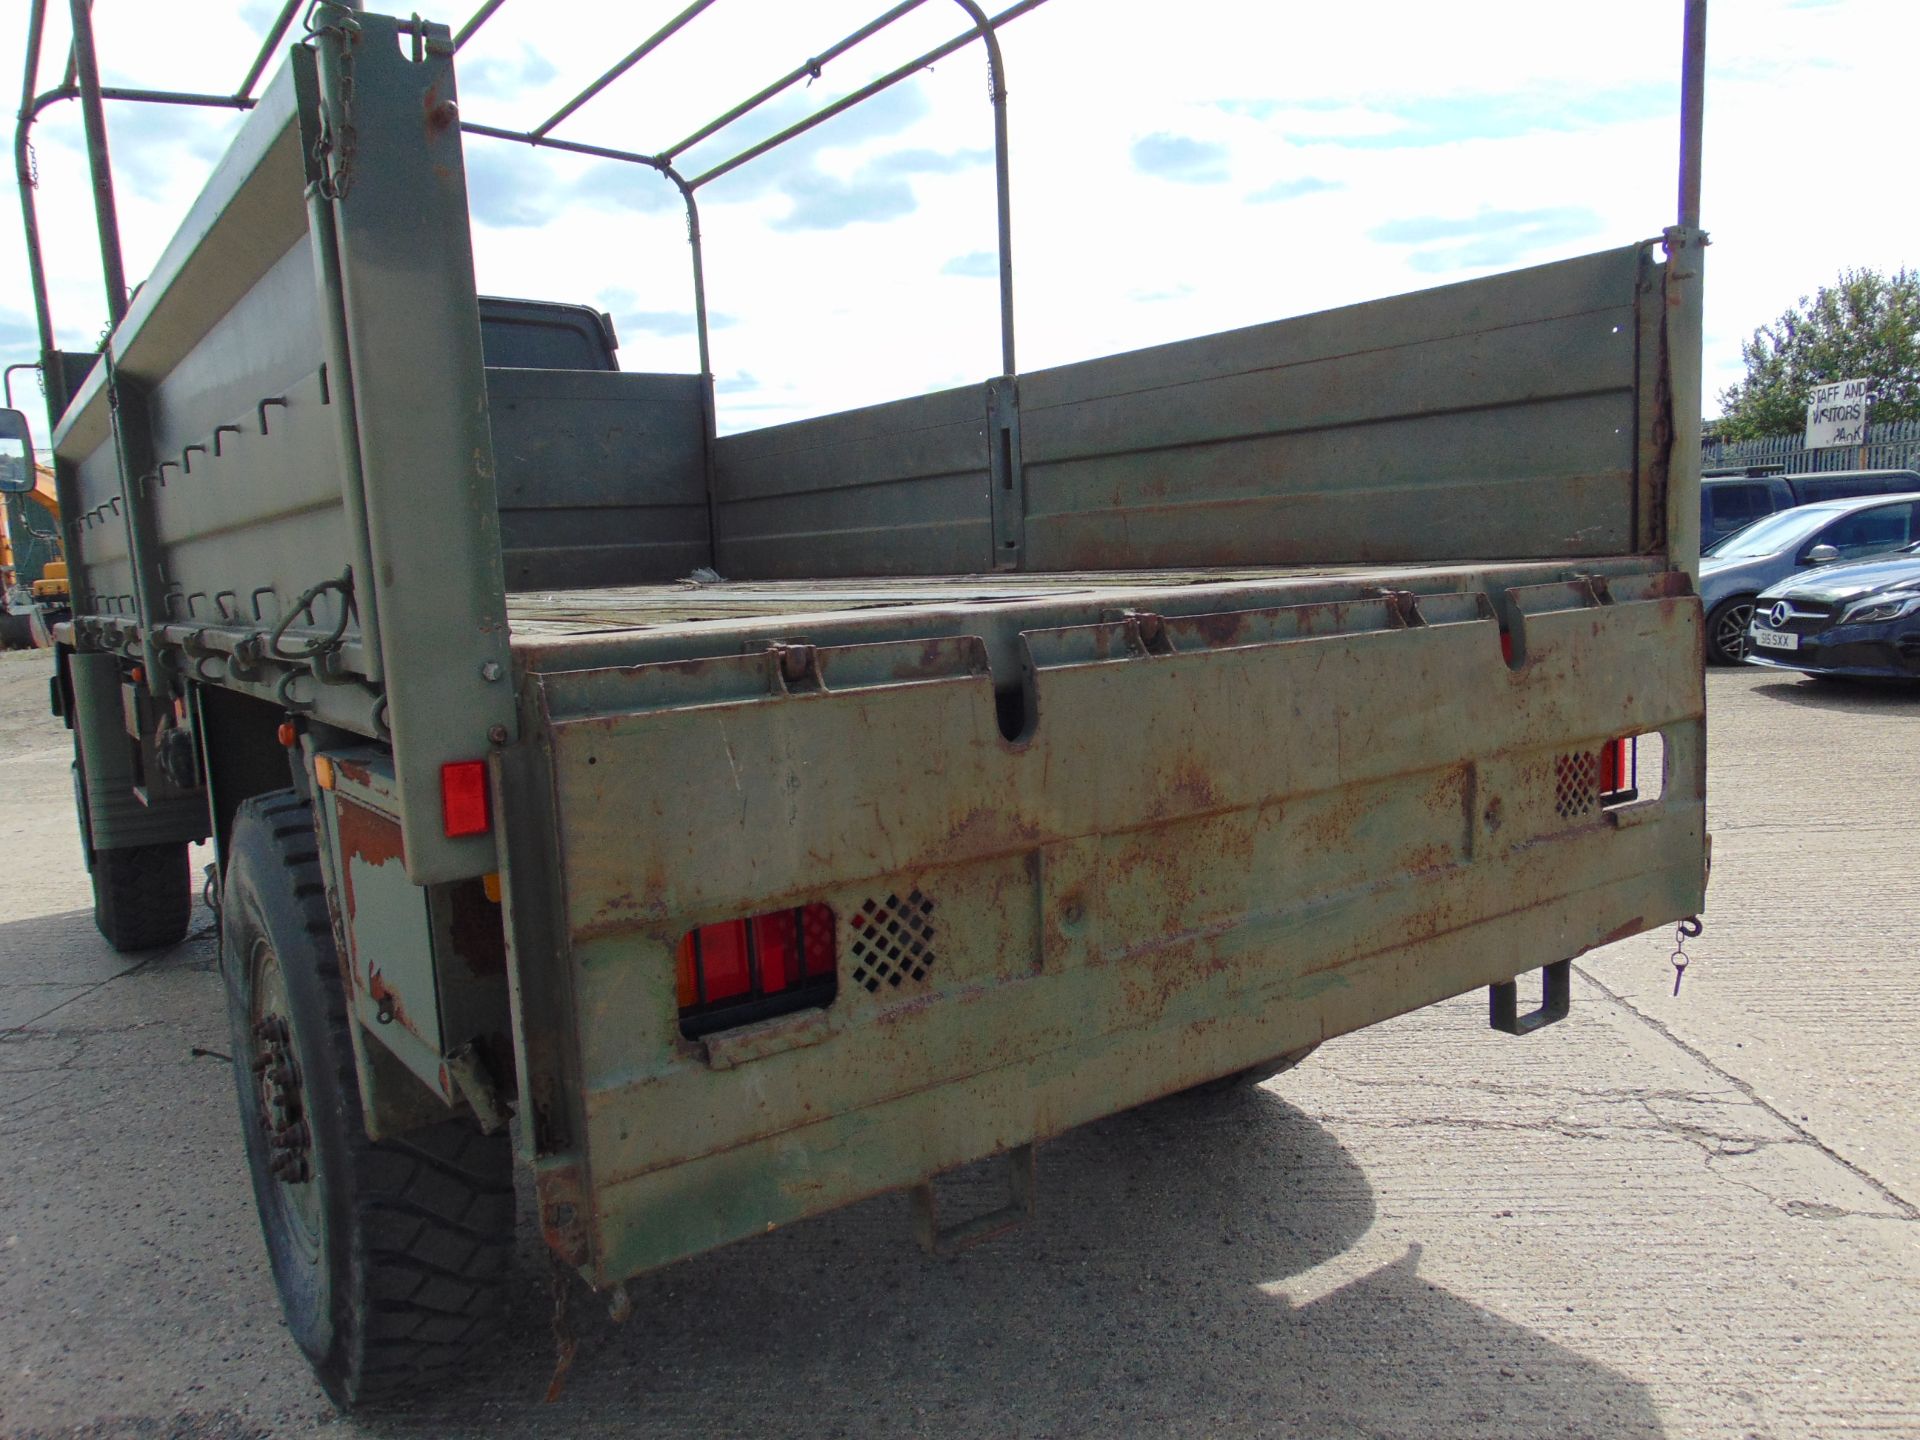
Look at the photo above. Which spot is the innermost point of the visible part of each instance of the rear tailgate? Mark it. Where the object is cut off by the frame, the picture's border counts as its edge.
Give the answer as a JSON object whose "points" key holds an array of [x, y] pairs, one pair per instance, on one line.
{"points": [[1220, 837]]}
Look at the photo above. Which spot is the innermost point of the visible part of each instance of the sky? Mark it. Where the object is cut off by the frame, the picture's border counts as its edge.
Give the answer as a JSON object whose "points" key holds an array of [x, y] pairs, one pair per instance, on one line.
{"points": [[1179, 167]]}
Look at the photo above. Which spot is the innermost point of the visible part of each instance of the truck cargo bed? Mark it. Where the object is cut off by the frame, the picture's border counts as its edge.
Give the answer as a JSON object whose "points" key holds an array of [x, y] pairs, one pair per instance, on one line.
{"points": [[694, 607]]}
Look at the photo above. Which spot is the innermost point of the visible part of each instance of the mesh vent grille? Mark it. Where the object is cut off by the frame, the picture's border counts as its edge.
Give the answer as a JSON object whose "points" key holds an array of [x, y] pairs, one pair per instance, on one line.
{"points": [[893, 942], [1576, 783]]}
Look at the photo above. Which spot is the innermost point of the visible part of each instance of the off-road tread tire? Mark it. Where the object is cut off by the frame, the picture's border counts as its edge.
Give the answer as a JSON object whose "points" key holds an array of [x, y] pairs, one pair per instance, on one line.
{"points": [[143, 895], [420, 1228]]}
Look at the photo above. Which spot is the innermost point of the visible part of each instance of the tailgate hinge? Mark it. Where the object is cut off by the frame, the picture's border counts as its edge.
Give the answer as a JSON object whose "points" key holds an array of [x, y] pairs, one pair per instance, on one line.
{"points": [[1007, 483]]}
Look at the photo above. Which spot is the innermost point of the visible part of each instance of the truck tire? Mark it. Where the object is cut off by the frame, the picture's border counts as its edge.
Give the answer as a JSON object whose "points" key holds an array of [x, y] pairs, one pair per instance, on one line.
{"points": [[390, 1257], [143, 895], [1727, 630]]}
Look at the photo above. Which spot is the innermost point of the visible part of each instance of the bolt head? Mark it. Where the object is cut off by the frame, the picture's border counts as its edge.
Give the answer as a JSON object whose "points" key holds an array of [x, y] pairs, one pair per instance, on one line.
{"points": [[491, 671]]}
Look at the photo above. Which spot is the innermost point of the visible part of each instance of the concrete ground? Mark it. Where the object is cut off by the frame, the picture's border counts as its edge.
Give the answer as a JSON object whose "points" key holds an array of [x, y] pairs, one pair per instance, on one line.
{"points": [[1690, 1216]]}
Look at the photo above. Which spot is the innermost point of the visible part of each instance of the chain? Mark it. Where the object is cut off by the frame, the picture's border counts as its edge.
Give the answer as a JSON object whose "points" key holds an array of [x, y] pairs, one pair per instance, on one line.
{"points": [[1687, 929], [312, 649], [338, 138]]}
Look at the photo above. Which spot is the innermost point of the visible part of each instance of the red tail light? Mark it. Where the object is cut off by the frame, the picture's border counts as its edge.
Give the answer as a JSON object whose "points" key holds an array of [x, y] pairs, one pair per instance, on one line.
{"points": [[463, 798], [1619, 761], [744, 970]]}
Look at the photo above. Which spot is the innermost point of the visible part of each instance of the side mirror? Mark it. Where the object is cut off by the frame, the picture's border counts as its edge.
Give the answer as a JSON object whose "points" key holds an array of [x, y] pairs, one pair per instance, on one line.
{"points": [[16, 453], [1822, 555]]}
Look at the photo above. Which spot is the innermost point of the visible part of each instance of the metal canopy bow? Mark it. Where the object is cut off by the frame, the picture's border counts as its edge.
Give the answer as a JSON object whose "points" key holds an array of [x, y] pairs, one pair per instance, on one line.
{"points": [[81, 82]]}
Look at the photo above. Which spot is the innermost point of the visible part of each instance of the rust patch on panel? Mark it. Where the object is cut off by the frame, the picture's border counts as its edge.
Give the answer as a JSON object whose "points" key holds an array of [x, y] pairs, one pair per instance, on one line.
{"points": [[1223, 627], [982, 829], [364, 835], [353, 770], [1624, 932], [1192, 790], [441, 115], [368, 836], [561, 1192], [388, 999]]}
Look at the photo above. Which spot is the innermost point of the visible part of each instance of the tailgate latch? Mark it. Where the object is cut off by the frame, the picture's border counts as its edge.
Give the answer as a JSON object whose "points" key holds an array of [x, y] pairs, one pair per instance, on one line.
{"points": [[1556, 999]]}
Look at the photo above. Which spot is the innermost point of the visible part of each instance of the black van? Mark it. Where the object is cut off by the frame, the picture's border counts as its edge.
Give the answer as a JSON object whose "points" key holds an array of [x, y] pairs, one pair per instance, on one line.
{"points": [[1730, 502]]}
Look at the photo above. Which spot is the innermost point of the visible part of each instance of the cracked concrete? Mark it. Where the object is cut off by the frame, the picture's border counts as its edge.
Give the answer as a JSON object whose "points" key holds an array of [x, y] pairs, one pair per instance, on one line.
{"points": [[1662, 1217]]}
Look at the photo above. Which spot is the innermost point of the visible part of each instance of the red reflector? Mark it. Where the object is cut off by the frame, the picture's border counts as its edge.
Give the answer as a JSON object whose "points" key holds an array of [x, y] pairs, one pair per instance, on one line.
{"points": [[816, 941], [776, 944], [723, 961], [463, 798]]}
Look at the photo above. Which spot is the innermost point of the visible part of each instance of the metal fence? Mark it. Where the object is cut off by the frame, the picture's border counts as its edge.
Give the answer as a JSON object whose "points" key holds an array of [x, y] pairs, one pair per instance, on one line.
{"points": [[1893, 445]]}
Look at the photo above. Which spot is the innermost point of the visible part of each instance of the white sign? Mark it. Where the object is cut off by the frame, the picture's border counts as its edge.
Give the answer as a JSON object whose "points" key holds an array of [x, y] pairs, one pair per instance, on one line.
{"points": [[1837, 414]]}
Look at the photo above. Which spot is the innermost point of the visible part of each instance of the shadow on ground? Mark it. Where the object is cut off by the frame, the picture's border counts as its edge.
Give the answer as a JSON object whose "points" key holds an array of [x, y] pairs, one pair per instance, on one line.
{"points": [[1861, 697], [1150, 1296]]}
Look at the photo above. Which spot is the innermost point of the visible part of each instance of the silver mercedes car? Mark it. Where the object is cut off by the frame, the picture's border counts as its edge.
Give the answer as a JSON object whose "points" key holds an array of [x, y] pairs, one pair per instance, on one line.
{"points": [[1736, 569]]}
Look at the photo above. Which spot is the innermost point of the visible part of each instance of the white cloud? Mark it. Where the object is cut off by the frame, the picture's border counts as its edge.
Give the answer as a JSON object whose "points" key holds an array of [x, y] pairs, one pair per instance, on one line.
{"points": [[858, 264]]}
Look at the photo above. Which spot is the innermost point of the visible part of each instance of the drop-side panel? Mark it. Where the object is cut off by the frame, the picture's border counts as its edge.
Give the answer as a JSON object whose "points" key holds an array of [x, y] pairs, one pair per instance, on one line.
{"points": [[241, 476], [1501, 418], [895, 489], [1223, 838], [601, 476], [1490, 419]]}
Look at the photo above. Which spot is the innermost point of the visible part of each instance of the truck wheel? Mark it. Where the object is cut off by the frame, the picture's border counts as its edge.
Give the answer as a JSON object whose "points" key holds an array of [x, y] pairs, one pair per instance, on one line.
{"points": [[142, 895], [390, 1257], [1727, 630], [1253, 1074]]}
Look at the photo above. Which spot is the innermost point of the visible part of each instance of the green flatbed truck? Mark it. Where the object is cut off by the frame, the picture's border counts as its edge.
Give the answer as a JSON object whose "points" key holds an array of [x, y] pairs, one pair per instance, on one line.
{"points": [[1052, 744]]}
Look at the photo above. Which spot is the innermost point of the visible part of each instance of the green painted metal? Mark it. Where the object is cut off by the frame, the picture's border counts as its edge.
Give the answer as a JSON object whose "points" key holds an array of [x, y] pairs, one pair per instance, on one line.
{"points": [[399, 213], [1227, 835]]}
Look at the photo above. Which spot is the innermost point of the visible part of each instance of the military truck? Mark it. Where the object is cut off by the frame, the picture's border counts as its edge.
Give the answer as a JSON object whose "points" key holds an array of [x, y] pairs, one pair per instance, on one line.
{"points": [[1052, 743]]}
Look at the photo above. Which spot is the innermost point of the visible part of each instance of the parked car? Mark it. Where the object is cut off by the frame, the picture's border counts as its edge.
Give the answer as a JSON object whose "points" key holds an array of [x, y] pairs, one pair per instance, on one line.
{"points": [[1860, 620], [1770, 551], [1732, 500]]}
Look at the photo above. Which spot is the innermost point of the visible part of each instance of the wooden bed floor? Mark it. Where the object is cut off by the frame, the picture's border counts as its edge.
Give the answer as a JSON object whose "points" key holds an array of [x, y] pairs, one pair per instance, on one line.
{"points": [[537, 615]]}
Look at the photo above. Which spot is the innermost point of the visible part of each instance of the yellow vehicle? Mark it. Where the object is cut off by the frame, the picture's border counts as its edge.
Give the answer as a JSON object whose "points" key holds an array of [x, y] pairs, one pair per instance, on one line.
{"points": [[33, 579]]}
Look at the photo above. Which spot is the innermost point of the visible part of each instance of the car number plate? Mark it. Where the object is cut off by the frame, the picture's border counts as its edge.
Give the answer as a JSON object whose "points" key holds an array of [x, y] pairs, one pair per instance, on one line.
{"points": [[1774, 639]]}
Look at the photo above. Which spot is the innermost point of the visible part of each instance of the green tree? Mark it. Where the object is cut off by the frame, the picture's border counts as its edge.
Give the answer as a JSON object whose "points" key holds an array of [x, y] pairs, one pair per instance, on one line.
{"points": [[1864, 324]]}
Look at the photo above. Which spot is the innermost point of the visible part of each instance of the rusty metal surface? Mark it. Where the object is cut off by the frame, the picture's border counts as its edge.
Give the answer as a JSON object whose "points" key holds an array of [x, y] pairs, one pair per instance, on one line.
{"points": [[1225, 836], [383, 926]]}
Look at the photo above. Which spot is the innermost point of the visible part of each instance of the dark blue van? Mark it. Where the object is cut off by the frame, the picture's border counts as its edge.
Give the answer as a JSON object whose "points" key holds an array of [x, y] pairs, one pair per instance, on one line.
{"points": [[1730, 502]]}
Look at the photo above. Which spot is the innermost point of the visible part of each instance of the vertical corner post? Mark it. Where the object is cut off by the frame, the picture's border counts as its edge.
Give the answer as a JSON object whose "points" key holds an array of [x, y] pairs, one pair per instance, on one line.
{"points": [[106, 217], [394, 191], [1686, 255]]}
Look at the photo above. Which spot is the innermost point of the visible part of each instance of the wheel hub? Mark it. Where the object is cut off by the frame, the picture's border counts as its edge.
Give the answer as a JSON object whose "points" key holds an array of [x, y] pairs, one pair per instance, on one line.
{"points": [[282, 1108], [1733, 631]]}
